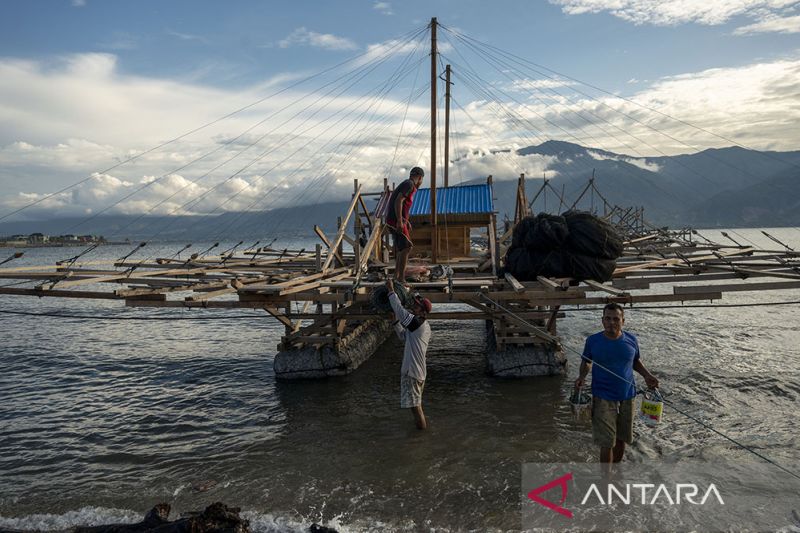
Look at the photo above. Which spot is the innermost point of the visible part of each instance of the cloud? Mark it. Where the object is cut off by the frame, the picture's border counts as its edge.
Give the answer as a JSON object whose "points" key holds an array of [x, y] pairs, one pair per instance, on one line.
{"points": [[753, 105], [396, 47], [70, 118], [772, 25], [674, 12], [547, 83], [303, 36], [385, 8], [644, 164], [502, 163], [78, 3], [187, 36], [64, 119]]}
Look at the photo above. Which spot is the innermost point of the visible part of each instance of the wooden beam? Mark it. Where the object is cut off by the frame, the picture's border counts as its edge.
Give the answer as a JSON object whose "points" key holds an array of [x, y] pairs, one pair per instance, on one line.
{"points": [[342, 230], [299, 322], [374, 238], [260, 303], [299, 280], [275, 312], [604, 288], [60, 293], [549, 283], [325, 240], [494, 248], [515, 285], [501, 315], [738, 287]]}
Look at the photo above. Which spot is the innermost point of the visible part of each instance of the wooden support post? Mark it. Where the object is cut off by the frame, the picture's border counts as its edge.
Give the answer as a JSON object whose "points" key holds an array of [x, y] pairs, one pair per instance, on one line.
{"points": [[339, 247], [551, 322], [318, 257], [328, 243], [288, 328], [494, 246], [299, 322], [356, 218], [341, 223]]}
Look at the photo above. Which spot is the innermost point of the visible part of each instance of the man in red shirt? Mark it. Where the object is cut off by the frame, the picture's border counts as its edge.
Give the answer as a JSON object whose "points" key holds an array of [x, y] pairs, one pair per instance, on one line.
{"points": [[397, 220]]}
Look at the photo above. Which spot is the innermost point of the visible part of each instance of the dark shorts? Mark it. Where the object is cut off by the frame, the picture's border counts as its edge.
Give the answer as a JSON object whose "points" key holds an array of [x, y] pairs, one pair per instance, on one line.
{"points": [[401, 241]]}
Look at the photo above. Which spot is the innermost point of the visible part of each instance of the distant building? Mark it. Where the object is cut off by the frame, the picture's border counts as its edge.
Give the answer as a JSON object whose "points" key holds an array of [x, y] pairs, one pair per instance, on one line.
{"points": [[38, 238]]}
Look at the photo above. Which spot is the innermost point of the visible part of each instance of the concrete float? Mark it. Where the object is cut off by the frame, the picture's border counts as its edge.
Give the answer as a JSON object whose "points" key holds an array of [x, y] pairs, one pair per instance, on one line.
{"points": [[523, 360], [349, 353]]}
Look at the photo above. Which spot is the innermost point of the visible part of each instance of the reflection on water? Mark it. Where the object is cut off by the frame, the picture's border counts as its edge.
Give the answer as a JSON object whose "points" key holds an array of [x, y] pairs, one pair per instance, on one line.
{"points": [[124, 414]]}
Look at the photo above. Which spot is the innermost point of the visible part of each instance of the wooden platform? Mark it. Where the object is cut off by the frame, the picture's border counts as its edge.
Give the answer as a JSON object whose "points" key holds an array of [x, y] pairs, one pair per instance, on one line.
{"points": [[322, 296]]}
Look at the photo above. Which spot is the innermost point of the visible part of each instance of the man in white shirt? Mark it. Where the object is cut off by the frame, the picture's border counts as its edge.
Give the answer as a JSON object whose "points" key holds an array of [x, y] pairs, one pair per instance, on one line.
{"points": [[414, 330]]}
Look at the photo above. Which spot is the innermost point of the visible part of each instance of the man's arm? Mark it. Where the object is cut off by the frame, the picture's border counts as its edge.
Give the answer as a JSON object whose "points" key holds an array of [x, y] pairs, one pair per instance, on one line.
{"points": [[584, 371], [649, 378], [586, 364], [402, 316], [398, 211]]}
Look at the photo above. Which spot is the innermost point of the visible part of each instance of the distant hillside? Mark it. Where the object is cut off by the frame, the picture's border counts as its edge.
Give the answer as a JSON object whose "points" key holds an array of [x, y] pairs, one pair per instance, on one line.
{"points": [[227, 226], [720, 187], [712, 187], [771, 202]]}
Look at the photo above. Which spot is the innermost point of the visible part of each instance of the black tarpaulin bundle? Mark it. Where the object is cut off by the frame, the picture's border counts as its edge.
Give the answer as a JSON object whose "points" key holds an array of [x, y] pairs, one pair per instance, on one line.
{"points": [[572, 245]]}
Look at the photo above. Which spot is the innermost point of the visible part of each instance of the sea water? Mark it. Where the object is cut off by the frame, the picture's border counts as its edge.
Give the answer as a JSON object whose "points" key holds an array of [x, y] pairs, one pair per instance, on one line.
{"points": [[102, 417]]}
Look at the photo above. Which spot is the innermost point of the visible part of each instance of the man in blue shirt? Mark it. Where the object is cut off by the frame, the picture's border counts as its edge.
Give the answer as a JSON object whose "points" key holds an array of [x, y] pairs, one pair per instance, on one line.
{"points": [[616, 353]]}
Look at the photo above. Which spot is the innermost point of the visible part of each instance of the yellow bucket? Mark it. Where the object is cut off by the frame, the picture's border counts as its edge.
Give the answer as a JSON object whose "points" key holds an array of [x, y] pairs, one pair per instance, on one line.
{"points": [[652, 407]]}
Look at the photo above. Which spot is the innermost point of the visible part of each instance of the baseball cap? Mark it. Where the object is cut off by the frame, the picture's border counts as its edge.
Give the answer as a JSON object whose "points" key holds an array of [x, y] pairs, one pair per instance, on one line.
{"points": [[424, 302], [416, 171]]}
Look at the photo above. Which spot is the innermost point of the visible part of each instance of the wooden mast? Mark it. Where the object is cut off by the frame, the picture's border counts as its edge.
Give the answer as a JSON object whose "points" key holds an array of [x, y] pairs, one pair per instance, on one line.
{"points": [[434, 228], [447, 127]]}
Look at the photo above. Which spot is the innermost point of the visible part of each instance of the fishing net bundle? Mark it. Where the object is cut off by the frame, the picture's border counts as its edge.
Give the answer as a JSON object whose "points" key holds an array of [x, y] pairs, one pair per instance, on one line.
{"points": [[575, 245], [379, 297]]}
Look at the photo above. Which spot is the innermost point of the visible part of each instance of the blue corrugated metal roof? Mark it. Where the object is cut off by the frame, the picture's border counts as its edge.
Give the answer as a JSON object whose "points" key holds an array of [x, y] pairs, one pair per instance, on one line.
{"points": [[466, 199]]}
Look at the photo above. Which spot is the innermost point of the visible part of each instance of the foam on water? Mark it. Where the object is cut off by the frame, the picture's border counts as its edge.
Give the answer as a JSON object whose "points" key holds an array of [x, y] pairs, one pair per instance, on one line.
{"points": [[95, 516], [85, 516]]}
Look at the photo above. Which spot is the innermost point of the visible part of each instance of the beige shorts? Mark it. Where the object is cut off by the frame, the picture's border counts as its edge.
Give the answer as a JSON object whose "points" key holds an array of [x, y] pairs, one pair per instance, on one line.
{"points": [[410, 392], [612, 421]]}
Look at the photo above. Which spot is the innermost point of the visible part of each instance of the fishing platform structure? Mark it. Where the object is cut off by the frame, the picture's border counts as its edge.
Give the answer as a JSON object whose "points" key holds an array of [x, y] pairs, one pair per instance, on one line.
{"points": [[323, 298]]}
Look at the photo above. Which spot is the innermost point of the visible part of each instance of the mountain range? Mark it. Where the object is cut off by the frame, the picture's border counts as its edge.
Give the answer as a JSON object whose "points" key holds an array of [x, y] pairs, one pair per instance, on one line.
{"points": [[725, 187]]}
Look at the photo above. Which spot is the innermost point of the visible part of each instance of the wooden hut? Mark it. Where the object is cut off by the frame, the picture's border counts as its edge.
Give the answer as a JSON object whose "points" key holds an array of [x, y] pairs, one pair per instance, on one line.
{"points": [[461, 211]]}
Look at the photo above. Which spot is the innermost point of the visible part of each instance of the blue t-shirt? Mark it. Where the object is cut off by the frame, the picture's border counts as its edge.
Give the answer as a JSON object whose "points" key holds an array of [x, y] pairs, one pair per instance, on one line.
{"points": [[616, 355]]}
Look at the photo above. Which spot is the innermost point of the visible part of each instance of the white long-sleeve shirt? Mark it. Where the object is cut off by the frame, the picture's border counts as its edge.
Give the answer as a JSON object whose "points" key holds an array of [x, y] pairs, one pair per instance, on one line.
{"points": [[416, 342]]}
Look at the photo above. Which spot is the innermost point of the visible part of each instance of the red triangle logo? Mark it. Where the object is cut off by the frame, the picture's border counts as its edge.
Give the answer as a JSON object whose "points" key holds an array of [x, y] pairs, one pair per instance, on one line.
{"points": [[559, 482]]}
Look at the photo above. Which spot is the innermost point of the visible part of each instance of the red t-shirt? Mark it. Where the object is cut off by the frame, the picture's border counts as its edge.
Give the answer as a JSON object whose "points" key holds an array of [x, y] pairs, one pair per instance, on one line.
{"points": [[406, 189]]}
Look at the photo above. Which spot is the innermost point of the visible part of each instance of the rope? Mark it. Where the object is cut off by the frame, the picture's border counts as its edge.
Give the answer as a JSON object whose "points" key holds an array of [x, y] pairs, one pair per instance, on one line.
{"points": [[522, 61], [96, 317], [484, 54], [480, 86], [384, 88], [671, 404], [367, 67], [195, 201], [697, 306], [366, 135], [199, 128], [468, 41]]}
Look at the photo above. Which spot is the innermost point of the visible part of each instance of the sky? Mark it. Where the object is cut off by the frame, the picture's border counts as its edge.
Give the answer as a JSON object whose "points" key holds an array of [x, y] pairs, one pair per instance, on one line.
{"points": [[185, 107]]}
